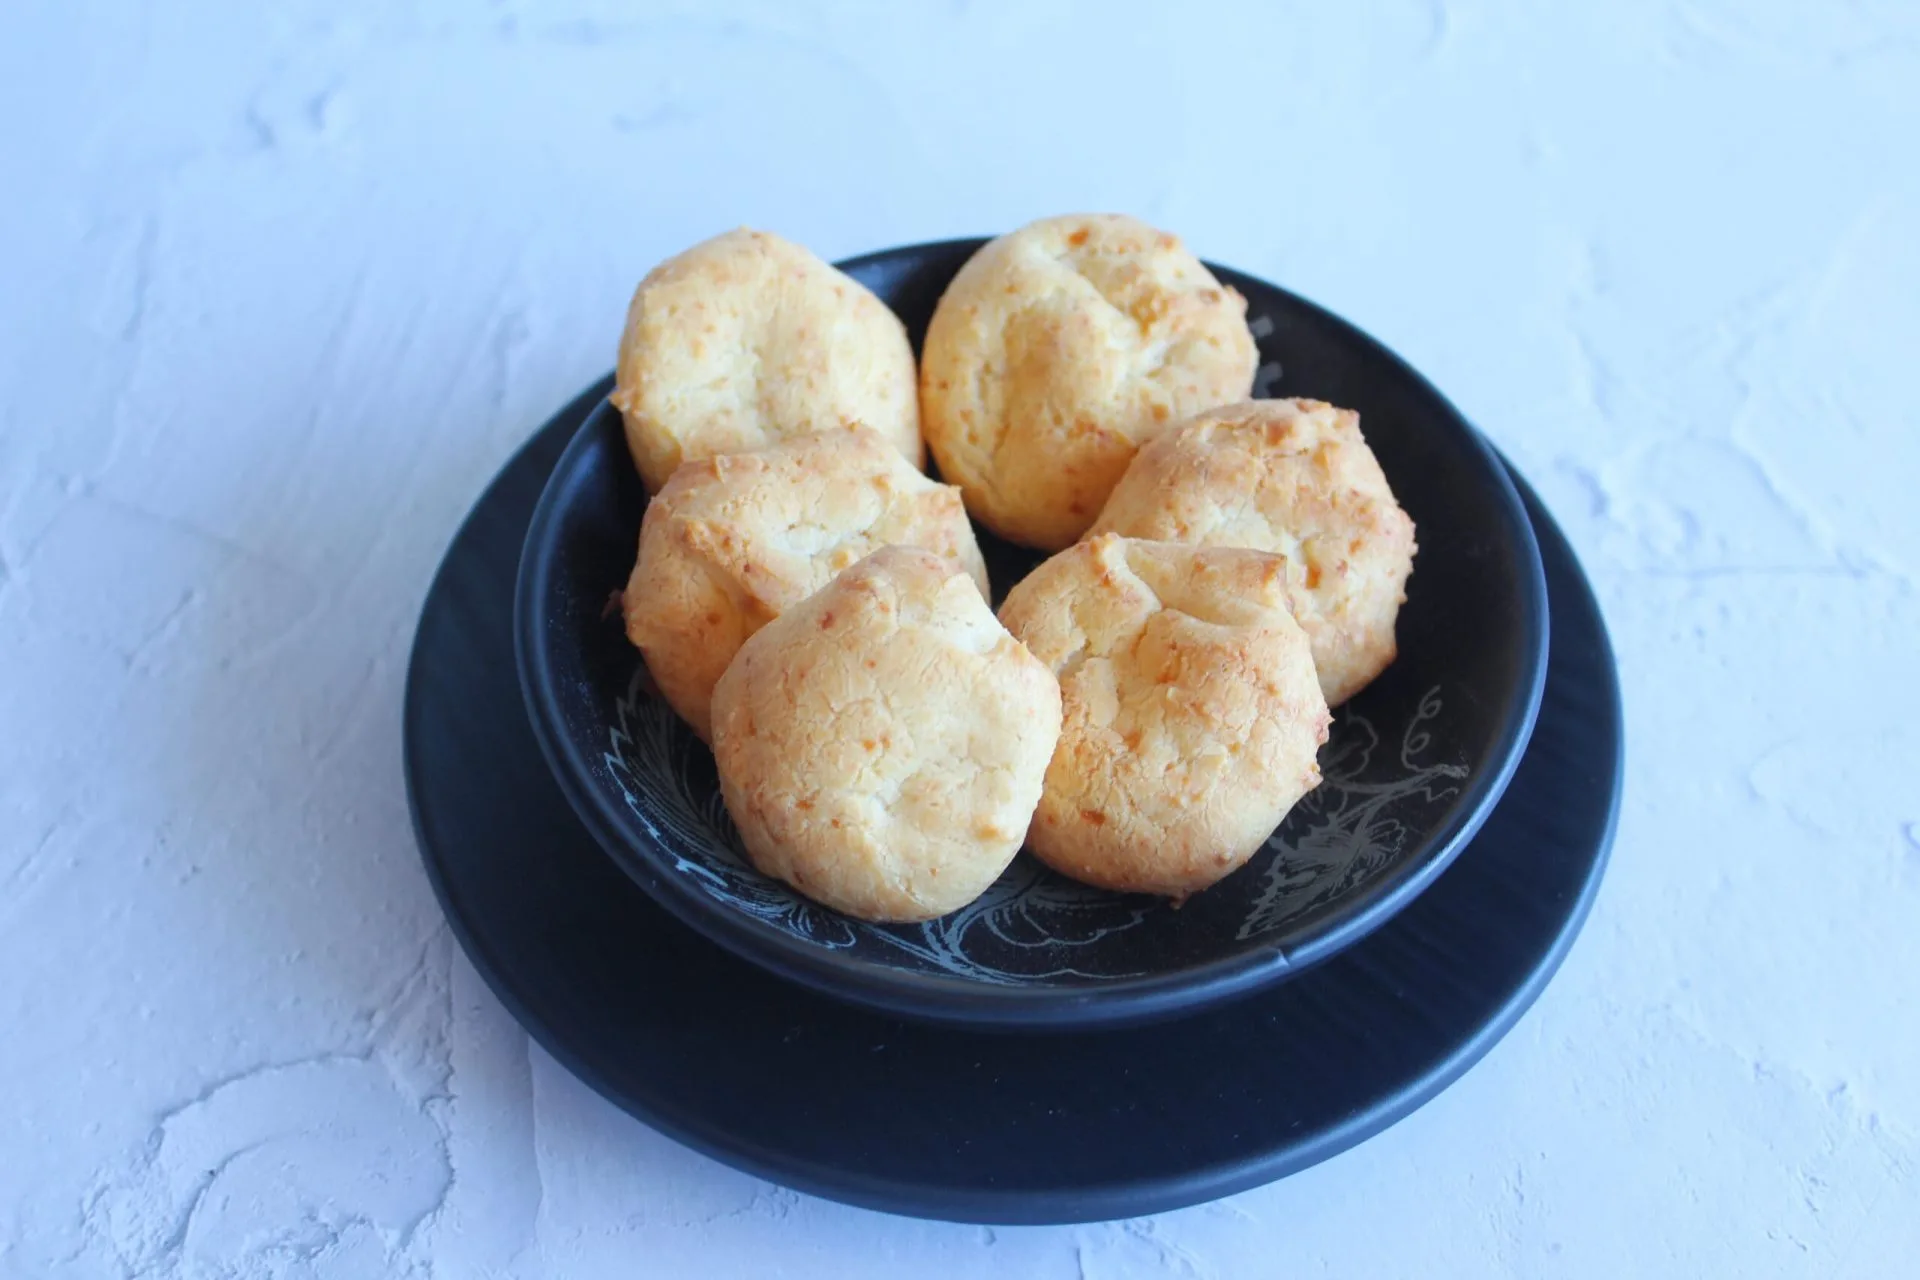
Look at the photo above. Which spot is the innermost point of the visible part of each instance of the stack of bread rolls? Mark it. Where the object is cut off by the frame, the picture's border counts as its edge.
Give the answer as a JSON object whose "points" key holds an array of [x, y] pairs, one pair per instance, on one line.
{"points": [[1149, 702]]}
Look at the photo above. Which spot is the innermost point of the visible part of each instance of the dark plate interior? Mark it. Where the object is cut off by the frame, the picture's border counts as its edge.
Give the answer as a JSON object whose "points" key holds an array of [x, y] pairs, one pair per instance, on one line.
{"points": [[1413, 765]]}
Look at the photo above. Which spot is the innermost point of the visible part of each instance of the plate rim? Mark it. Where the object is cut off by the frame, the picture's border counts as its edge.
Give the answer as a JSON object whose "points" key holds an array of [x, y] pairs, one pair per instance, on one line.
{"points": [[956, 1000]]}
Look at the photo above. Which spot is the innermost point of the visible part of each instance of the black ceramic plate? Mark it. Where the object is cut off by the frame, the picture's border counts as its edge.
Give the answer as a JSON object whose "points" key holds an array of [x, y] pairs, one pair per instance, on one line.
{"points": [[1413, 766], [945, 1122]]}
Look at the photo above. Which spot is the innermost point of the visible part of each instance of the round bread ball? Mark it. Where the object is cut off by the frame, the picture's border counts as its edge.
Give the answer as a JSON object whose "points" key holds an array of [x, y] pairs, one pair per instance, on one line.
{"points": [[1296, 478], [1193, 717], [1056, 351], [747, 339], [881, 745], [734, 540]]}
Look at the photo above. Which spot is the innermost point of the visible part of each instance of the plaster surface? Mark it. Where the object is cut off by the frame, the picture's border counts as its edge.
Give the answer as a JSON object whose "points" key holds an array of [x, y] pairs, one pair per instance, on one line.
{"points": [[282, 285]]}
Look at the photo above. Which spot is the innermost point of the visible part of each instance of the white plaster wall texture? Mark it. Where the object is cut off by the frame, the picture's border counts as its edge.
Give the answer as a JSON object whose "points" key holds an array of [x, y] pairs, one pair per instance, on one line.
{"points": [[281, 285]]}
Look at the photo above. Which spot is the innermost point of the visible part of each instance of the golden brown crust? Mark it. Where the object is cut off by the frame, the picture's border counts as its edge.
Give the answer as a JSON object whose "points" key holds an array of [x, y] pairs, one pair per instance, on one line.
{"points": [[734, 540], [1192, 714], [1294, 477], [748, 339], [1056, 351], [881, 745]]}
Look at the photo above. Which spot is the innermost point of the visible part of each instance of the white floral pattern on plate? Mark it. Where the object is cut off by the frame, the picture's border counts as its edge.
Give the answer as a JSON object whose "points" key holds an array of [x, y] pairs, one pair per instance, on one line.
{"points": [[1033, 925]]}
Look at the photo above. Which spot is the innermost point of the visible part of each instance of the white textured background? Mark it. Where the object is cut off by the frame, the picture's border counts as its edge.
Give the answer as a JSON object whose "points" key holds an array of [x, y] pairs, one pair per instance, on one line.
{"points": [[281, 285]]}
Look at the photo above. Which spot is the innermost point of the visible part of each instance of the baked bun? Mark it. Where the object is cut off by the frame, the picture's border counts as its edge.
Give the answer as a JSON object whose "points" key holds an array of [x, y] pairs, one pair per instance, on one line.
{"points": [[881, 745], [746, 340], [1296, 478], [1056, 351], [734, 540], [1192, 715]]}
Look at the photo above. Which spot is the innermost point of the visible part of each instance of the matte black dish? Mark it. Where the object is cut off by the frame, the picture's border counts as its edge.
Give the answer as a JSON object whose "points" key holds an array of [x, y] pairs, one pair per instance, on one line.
{"points": [[1414, 765], [951, 1123]]}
